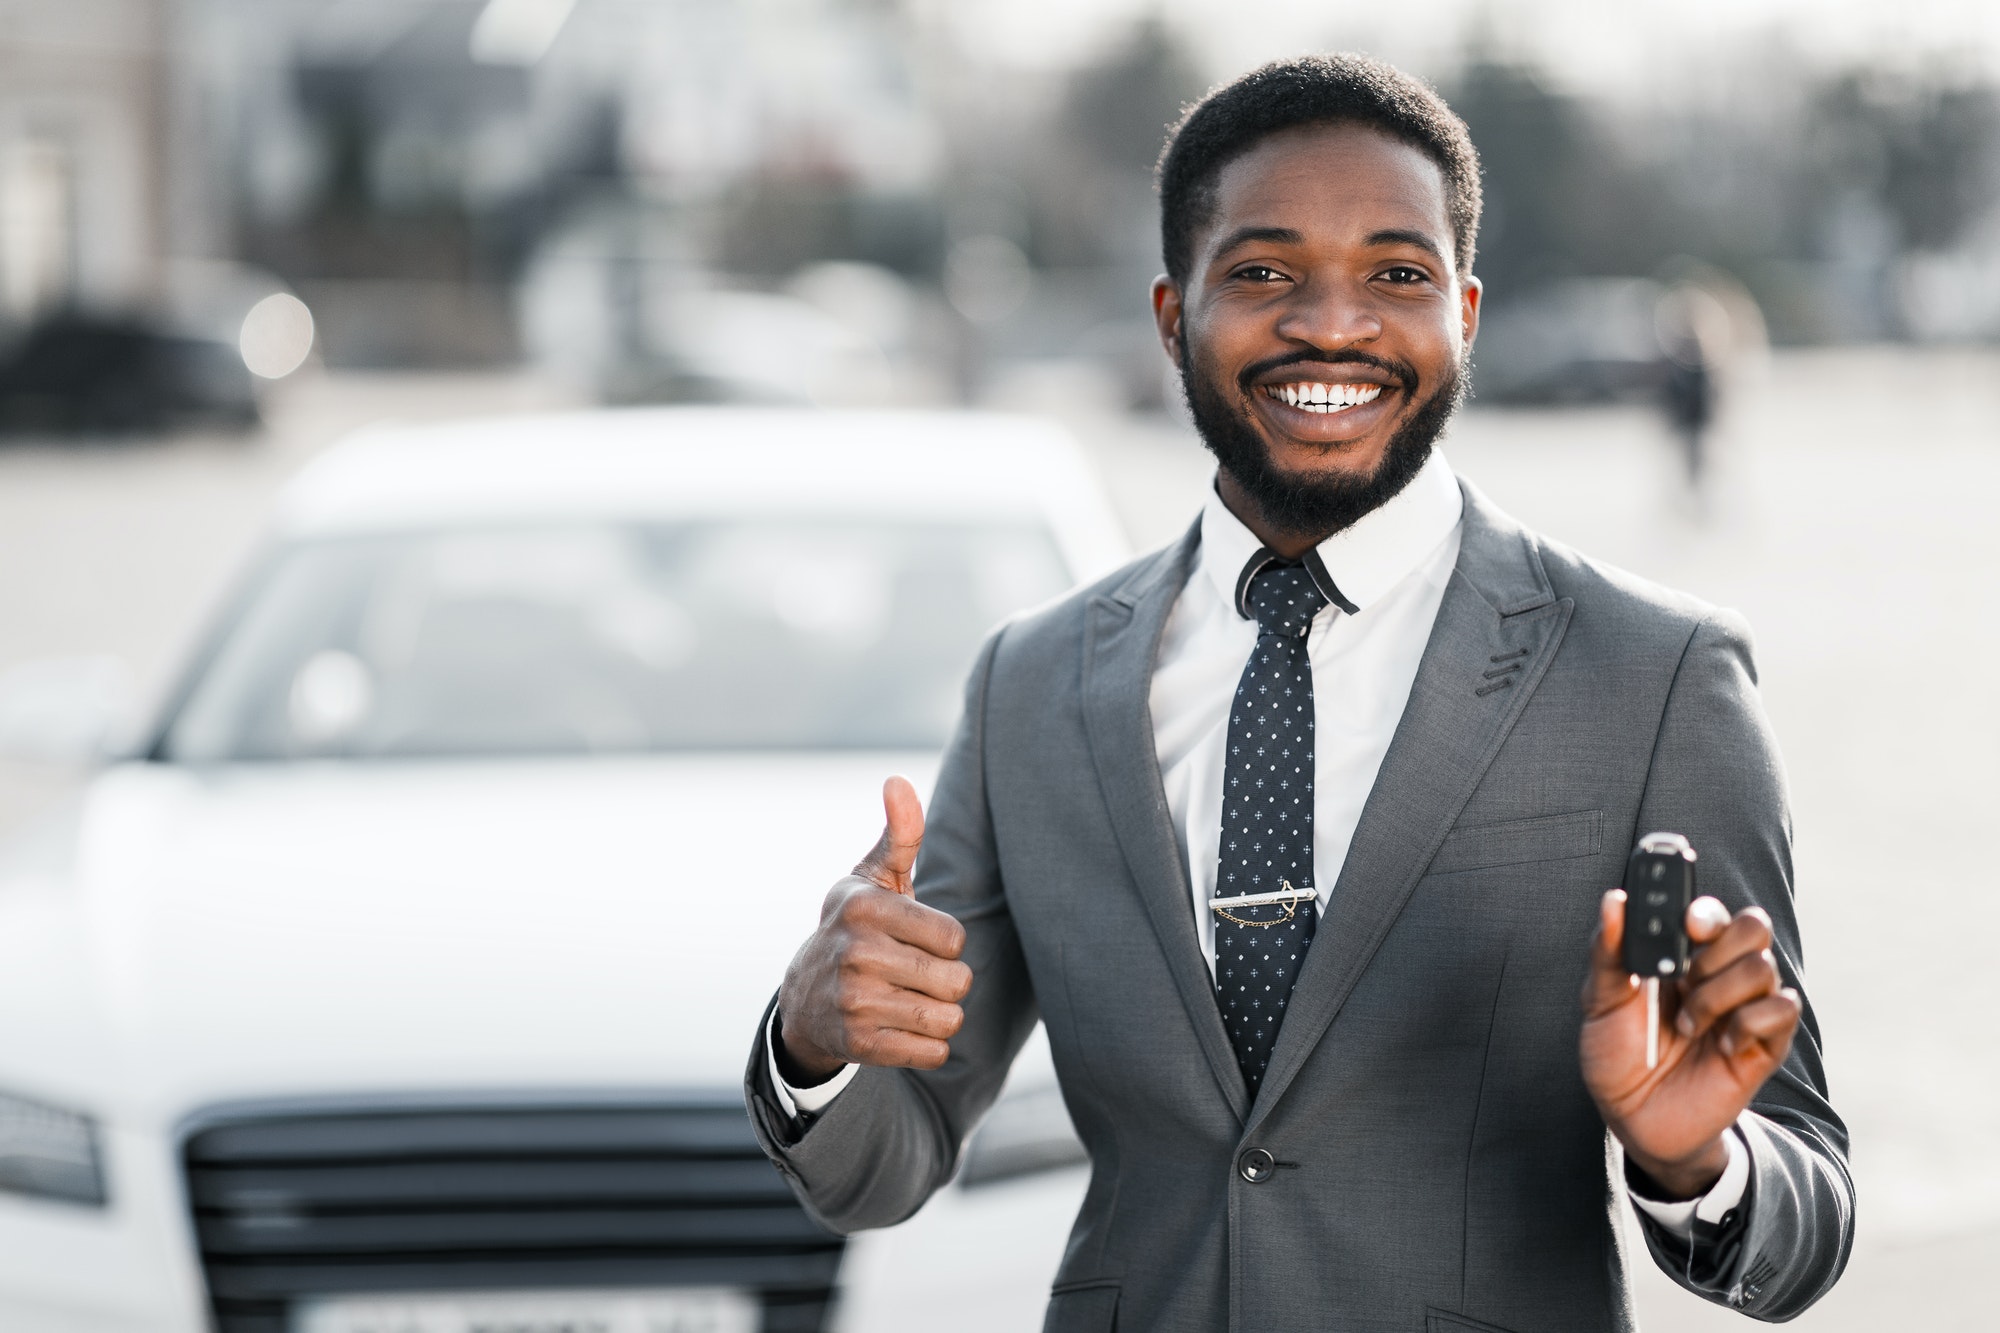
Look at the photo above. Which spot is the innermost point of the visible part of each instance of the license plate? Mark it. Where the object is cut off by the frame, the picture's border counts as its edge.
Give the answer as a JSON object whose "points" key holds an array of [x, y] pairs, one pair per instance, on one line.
{"points": [[666, 1310]]}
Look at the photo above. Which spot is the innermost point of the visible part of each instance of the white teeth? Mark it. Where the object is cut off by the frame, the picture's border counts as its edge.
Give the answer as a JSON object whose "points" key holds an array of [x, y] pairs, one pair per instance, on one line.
{"points": [[1325, 397]]}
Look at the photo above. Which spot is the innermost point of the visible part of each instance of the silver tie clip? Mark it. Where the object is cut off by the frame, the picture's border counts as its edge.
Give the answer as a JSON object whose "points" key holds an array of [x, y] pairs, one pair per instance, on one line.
{"points": [[1288, 894], [1286, 897]]}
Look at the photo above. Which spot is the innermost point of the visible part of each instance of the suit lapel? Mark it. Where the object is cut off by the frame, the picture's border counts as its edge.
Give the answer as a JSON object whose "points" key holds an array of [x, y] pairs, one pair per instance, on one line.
{"points": [[1498, 613], [1122, 640]]}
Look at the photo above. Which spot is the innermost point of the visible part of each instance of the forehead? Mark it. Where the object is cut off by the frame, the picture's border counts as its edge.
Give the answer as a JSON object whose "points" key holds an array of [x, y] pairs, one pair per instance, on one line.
{"points": [[1332, 182]]}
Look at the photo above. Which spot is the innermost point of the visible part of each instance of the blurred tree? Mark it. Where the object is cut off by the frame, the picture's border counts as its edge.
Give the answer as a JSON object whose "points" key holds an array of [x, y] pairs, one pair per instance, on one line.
{"points": [[1922, 150], [1119, 110], [1092, 171], [1564, 197]]}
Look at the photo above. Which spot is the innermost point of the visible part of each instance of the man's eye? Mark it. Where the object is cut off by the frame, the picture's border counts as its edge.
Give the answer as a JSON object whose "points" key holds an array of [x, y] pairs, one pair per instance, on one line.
{"points": [[1403, 275], [1259, 273]]}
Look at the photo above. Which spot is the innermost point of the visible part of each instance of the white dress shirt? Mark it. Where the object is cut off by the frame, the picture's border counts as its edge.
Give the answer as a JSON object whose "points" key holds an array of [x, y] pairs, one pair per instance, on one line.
{"points": [[1392, 566]]}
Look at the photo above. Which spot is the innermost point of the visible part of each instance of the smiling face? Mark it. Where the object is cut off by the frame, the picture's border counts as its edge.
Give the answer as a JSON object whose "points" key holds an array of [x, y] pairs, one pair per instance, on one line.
{"points": [[1322, 327]]}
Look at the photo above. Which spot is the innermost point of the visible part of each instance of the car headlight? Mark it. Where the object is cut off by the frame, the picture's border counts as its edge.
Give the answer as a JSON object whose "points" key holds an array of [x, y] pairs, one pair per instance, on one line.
{"points": [[49, 1153]]}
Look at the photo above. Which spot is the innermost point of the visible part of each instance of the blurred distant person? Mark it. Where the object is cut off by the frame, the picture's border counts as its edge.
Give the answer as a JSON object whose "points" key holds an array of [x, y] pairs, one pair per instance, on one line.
{"points": [[1297, 833], [1689, 400], [1693, 330]]}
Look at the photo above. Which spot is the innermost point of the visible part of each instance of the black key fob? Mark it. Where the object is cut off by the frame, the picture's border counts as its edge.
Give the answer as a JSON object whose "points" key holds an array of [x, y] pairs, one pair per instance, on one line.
{"points": [[1659, 885]]}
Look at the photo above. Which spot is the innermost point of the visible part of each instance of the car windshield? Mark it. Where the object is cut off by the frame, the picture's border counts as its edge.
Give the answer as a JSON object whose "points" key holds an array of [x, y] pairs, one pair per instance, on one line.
{"points": [[703, 634]]}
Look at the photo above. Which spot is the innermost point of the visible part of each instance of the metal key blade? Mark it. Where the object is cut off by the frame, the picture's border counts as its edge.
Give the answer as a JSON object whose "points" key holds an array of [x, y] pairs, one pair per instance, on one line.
{"points": [[1651, 985]]}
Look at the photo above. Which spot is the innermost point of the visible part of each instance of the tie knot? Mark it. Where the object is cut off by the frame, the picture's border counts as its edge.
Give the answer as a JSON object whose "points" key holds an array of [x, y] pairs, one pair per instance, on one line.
{"points": [[1284, 599]]}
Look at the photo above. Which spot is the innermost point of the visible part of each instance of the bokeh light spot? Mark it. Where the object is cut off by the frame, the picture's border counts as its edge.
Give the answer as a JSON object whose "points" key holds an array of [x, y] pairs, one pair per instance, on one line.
{"points": [[277, 336]]}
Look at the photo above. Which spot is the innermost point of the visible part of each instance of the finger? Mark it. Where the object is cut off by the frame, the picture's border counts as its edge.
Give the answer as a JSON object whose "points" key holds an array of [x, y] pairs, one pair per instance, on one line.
{"points": [[908, 1011], [1748, 978], [864, 909], [1706, 918], [1608, 984], [888, 863], [1748, 933], [907, 1050], [1763, 1027], [914, 923], [912, 969]]}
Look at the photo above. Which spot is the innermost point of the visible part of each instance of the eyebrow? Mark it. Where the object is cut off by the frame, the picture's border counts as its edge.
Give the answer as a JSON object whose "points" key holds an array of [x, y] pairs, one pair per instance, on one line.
{"points": [[1405, 236], [1288, 236], [1268, 235]]}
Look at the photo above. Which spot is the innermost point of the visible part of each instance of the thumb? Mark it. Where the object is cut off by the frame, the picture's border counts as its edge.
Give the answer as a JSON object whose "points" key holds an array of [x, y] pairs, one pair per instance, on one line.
{"points": [[1608, 984], [888, 862]]}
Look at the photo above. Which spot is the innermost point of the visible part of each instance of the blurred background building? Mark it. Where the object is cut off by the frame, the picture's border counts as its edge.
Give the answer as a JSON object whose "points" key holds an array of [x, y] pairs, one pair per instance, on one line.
{"points": [[619, 191]]}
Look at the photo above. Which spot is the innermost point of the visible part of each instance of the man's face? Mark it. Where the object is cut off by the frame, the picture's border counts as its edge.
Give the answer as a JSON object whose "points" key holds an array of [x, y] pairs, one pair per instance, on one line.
{"points": [[1323, 325]]}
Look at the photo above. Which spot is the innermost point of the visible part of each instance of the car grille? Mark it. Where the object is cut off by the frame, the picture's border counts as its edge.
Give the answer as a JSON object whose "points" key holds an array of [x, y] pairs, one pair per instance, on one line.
{"points": [[320, 1202]]}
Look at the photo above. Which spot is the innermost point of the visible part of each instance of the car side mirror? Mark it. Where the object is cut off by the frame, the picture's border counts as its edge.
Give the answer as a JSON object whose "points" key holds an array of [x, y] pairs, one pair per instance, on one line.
{"points": [[1028, 1131], [68, 710]]}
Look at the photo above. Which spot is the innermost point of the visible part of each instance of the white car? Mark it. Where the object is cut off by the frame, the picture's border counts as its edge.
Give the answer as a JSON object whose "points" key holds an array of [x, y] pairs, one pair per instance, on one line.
{"points": [[402, 980]]}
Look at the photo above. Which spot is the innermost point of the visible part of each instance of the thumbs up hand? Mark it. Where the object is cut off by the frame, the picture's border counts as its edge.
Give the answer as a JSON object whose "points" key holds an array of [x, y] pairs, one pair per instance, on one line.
{"points": [[878, 983]]}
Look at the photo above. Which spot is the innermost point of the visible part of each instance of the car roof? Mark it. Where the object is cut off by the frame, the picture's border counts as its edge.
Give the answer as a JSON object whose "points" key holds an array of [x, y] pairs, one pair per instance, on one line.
{"points": [[640, 463]]}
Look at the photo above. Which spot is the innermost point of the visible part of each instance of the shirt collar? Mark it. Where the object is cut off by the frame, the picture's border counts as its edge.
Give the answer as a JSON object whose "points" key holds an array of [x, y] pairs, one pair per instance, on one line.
{"points": [[1363, 561]]}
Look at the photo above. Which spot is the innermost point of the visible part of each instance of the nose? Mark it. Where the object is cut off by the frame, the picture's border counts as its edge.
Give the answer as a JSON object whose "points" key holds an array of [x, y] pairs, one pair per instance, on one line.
{"points": [[1328, 314]]}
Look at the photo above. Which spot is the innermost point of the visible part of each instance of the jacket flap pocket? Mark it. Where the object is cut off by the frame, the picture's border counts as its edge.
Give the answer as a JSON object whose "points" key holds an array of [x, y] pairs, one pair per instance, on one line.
{"points": [[1443, 1321], [1543, 838], [1080, 1308]]}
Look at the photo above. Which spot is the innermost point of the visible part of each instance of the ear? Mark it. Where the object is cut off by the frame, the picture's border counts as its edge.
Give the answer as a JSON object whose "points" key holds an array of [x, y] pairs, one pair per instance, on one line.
{"points": [[1167, 316], [1470, 292]]}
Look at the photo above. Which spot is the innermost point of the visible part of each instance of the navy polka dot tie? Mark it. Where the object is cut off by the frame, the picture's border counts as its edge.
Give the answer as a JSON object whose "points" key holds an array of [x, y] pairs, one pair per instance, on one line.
{"points": [[1267, 820]]}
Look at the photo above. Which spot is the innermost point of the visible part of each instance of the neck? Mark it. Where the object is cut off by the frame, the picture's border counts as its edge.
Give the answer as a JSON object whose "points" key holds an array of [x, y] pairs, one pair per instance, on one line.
{"points": [[1289, 545]]}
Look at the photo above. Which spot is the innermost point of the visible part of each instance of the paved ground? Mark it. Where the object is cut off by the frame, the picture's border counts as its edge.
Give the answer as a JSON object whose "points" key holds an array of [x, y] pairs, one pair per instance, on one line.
{"points": [[1851, 521]]}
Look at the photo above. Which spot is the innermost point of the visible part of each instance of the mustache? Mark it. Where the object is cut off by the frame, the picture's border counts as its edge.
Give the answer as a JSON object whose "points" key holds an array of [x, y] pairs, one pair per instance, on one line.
{"points": [[1402, 372]]}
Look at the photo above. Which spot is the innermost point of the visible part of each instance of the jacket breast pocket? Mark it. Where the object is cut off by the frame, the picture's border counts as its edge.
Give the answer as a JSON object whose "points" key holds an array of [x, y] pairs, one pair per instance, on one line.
{"points": [[1521, 841]]}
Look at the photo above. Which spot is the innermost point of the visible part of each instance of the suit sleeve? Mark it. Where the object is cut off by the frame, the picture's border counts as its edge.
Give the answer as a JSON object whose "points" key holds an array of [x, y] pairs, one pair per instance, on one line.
{"points": [[1716, 777], [892, 1138]]}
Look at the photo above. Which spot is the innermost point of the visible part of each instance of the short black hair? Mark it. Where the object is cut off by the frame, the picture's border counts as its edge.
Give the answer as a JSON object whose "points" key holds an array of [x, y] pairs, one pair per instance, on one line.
{"points": [[1310, 90]]}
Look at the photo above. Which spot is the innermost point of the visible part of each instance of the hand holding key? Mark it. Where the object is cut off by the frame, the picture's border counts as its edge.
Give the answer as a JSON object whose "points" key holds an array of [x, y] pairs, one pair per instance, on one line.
{"points": [[1725, 1027], [879, 982]]}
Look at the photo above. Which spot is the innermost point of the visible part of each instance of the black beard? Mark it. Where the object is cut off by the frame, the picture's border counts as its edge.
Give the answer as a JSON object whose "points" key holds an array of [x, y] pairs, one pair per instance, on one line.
{"points": [[1316, 509]]}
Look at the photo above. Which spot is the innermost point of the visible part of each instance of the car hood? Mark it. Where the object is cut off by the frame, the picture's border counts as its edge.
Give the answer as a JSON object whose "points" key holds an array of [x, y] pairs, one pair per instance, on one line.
{"points": [[187, 937]]}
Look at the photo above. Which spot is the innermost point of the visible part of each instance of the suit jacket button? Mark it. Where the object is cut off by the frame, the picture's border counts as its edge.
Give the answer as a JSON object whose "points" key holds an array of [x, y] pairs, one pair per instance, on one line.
{"points": [[1256, 1166]]}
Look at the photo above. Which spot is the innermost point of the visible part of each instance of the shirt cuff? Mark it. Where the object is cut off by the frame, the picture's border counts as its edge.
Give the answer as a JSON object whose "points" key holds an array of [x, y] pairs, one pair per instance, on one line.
{"points": [[802, 1101], [1679, 1217]]}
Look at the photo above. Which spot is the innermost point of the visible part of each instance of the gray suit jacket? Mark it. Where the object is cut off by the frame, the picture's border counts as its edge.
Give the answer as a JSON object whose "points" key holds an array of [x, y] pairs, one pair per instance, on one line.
{"points": [[1441, 1168]]}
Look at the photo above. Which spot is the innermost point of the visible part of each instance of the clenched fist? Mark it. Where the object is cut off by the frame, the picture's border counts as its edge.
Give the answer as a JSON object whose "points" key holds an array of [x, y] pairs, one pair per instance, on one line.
{"points": [[879, 982]]}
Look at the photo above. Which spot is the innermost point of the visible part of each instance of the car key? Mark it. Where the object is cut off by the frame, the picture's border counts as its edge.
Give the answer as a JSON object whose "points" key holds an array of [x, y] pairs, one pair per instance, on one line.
{"points": [[1659, 886]]}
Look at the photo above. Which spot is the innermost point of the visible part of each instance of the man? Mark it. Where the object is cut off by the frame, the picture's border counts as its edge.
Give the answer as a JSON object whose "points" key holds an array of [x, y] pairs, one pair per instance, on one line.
{"points": [[1296, 835]]}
